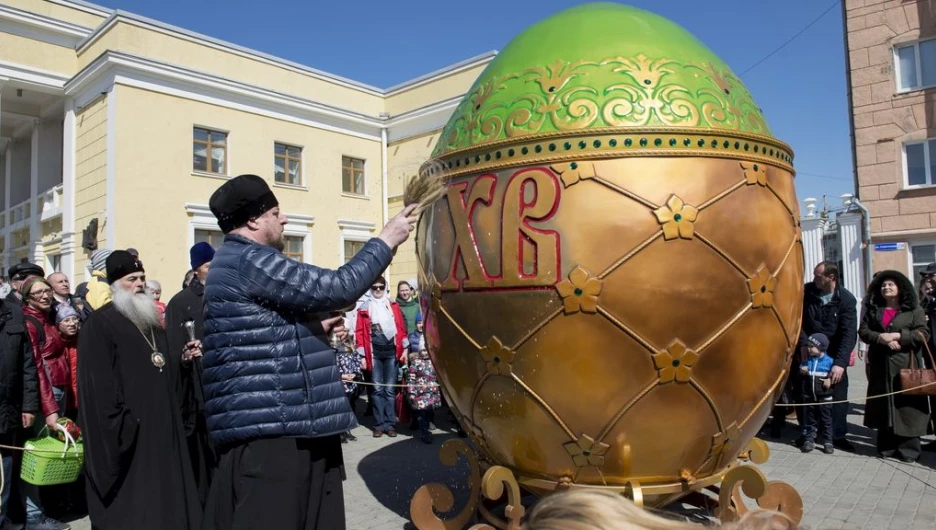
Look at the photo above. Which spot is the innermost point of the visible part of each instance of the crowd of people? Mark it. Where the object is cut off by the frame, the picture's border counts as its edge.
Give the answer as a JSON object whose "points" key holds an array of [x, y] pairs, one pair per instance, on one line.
{"points": [[227, 406], [892, 325]]}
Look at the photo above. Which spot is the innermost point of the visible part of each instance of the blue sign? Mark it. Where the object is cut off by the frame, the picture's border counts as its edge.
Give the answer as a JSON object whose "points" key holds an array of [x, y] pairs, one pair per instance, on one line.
{"points": [[889, 247]]}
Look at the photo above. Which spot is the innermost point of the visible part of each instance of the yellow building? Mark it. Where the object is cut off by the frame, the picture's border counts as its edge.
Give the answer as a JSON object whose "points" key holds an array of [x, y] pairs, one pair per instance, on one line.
{"points": [[115, 129]]}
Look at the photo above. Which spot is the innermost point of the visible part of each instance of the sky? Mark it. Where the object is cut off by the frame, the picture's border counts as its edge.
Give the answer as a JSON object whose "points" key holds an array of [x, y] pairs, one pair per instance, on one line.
{"points": [[801, 88]]}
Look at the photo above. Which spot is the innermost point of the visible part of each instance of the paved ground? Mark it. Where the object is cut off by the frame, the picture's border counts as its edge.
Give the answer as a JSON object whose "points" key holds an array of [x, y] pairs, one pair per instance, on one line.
{"points": [[840, 492]]}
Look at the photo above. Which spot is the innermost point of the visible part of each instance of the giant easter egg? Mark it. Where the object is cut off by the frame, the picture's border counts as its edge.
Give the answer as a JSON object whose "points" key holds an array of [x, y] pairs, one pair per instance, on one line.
{"points": [[613, 279]]}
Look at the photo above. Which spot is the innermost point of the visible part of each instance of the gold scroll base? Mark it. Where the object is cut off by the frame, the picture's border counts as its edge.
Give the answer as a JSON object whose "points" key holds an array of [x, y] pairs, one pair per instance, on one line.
{"points": [[720, 494]]}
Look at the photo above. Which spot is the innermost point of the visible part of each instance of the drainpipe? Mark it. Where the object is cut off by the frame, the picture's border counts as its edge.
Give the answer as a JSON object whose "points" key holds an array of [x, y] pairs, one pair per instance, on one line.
{"points": [[383, 169], [866, 215], [851, 112]]}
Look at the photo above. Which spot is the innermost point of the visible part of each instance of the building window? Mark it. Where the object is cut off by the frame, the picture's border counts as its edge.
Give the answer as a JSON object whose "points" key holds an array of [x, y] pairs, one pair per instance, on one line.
{"points": [[212, 237], [209, 151], [287, 162], [351, 248], [920, 163], [916, 65], [352, 175], [922, 255], [293, 247]]}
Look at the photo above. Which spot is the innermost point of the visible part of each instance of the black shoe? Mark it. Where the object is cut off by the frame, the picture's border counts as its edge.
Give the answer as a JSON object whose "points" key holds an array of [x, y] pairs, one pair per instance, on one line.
{"points": [[844, 445], [799, 441], [828, 449], [344, 438], [807, 446], [906, 459], [426, 437], [46, 523], [350, 437], [776, 431]]}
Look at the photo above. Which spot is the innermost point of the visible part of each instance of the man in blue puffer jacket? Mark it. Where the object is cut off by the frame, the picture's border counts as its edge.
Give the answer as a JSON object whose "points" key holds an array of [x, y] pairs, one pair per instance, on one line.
{"points": [[274, 402]]}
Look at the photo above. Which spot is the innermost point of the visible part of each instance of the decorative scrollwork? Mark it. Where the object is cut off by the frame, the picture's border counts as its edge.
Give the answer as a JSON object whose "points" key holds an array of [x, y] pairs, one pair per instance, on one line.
{"points": [[637, 91], [496, 480], [773, 495], [432, 498]]}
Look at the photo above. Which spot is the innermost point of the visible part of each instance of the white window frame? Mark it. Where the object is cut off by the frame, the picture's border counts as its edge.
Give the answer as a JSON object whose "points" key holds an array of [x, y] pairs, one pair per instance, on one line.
{"points": [[931, 178], [351, 230], [917, 65], [366, 194], [910, 263], [227, 153], [298, 225], [302, 167]]}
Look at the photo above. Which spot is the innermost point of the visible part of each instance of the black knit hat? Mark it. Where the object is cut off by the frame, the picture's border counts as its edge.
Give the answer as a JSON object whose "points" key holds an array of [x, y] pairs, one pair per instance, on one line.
{"points": [[240, 199], [121, 263]]}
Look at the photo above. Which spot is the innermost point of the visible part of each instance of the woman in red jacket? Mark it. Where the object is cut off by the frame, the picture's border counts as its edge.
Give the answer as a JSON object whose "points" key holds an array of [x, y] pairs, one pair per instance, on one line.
{"points": [[48, 348], [379, 334], [54, 376]]}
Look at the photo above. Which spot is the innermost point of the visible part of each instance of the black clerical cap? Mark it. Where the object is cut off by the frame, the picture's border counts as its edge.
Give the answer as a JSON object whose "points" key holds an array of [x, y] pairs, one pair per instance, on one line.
{"points": [[26, 269], [121, 263], [240, 199]]}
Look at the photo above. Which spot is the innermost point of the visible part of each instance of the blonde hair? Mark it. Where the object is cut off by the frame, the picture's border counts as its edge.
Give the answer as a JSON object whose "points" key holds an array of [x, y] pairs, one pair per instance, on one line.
{"points": [[592, 509]]}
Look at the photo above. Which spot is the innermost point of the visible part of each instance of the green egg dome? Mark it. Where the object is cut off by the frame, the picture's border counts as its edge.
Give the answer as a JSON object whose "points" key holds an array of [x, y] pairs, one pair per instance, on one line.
{"points": [[602, 68]]}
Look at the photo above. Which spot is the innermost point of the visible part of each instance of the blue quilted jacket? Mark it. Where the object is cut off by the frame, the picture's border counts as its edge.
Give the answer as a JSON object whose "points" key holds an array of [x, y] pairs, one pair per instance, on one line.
{"points": [[268, 369]]}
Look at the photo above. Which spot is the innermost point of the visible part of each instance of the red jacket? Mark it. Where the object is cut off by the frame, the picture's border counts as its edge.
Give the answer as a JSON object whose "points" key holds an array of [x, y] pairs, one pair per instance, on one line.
{"points": [[362, 334], [71, 352], [50, 357]]}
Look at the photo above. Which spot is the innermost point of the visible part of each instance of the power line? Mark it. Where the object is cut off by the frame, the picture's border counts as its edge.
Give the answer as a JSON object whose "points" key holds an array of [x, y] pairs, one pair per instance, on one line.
{"points": [[791, 39]]}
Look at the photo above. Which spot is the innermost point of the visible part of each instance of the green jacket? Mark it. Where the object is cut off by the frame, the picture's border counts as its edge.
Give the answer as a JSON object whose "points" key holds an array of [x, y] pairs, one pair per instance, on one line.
{"points": [[410, 310]]}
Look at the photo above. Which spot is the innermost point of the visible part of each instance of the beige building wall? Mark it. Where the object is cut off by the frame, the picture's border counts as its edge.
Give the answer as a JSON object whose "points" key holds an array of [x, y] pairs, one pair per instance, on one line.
{"points": [[42, 55], [213, 59], [127, 154], [447, 86], [90, 177], [155, 180], [404, 159], [886, 118], [73, 14]]}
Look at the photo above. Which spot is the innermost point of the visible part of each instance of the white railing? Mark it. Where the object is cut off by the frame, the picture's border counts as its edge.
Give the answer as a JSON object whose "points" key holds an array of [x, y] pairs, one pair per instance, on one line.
{"points": [[20, 213], [49, 203]]}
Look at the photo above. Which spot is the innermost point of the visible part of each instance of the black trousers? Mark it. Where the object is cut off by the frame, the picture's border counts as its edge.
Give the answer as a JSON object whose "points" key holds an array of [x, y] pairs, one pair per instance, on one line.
{"points": [[840, 410], [818, 426], [281, 483]]}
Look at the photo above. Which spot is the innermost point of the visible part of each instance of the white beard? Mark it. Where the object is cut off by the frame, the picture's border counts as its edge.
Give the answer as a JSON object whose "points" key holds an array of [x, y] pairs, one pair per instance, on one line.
{"points": [[139, 308]]}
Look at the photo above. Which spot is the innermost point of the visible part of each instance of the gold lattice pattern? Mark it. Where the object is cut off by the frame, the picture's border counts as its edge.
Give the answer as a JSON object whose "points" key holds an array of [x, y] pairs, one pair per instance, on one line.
{"points": [[581, 292]]}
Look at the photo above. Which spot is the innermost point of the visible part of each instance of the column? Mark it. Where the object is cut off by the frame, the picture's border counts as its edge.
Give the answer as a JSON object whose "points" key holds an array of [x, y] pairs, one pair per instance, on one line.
{"points": [[813, 227], [37, 255], [853, 267], [68, 190]]}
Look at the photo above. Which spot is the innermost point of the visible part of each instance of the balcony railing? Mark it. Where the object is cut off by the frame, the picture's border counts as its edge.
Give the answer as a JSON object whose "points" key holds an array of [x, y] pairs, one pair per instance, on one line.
{"points": [[47, 204]]}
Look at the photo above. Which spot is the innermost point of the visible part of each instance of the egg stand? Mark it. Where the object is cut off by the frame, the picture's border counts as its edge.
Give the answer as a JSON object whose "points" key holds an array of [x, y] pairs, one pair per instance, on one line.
{"points": [[720, 493]]}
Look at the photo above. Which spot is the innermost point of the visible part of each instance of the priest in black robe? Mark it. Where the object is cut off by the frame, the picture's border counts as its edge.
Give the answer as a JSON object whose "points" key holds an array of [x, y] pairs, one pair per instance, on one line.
{"points": [[185, 318], [130, 388]]}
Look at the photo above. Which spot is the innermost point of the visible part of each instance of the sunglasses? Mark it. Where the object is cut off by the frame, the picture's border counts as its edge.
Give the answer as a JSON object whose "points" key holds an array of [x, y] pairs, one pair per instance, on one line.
{"points": [[378, 287]]}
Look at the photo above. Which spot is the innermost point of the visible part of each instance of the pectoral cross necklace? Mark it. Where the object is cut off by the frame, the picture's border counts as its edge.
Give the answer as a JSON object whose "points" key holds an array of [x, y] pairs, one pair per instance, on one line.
{"points": [[158, 359]]}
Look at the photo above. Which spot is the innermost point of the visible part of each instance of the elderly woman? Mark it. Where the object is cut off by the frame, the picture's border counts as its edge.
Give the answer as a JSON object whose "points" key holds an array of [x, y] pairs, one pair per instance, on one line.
{"points": [[894, 327]]}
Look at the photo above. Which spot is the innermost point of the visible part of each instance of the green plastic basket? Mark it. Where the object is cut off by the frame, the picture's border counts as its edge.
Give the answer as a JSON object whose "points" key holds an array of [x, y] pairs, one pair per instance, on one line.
{"points": [[48, 461]]}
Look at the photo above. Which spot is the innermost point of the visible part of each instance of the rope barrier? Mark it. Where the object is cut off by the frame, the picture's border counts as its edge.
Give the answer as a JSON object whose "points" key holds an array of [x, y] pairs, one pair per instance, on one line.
{"points": [[855, 400]]}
